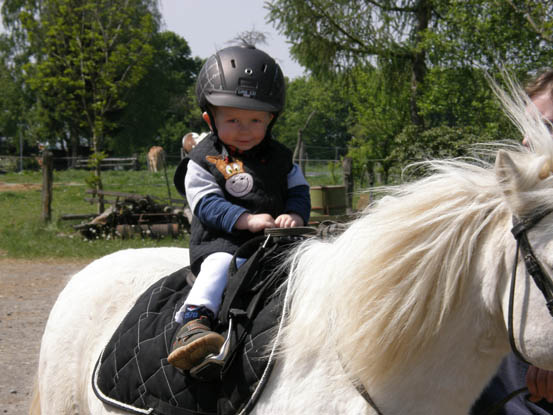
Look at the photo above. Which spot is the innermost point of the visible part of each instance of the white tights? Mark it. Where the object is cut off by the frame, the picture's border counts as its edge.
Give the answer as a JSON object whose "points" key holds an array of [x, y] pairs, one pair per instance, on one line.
{"points": [[210, 283]]}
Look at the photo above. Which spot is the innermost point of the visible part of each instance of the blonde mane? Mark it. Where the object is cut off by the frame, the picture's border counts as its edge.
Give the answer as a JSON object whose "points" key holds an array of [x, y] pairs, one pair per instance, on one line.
{"points": [[381, 291]]}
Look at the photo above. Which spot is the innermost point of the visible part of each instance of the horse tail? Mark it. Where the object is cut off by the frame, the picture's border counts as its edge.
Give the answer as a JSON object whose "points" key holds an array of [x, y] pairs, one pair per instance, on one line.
{"points": [[35, 399]]}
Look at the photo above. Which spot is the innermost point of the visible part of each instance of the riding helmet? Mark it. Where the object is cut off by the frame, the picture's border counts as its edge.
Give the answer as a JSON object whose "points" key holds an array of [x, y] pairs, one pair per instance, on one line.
{"points": [[241, 77]]}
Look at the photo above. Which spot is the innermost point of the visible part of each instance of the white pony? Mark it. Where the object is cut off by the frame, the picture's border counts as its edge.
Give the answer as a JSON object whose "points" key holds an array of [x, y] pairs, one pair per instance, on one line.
{"points": [[410, 301]]}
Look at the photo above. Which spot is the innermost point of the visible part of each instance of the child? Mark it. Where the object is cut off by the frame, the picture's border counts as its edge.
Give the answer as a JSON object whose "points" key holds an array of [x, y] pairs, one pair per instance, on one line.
{"points": [[238, 181]]}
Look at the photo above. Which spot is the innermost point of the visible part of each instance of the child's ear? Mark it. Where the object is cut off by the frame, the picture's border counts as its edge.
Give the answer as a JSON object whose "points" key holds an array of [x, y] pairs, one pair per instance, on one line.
{"points": [[206, 118]]}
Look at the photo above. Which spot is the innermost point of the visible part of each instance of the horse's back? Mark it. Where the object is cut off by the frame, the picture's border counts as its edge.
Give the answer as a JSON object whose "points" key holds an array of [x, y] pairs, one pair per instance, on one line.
{"points": [[85, 315]]}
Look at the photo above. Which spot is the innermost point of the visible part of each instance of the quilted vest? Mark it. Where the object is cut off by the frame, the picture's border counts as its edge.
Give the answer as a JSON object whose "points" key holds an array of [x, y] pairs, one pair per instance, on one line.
{"points": [[255, 179]]}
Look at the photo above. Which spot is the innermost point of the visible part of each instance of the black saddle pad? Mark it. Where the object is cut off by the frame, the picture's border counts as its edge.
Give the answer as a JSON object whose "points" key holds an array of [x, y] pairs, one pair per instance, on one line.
{"points": [[133, 374]]}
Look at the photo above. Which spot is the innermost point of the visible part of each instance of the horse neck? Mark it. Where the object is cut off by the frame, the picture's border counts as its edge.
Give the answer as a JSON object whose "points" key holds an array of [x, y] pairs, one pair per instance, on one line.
{"points": [[457, 363], [447, 379], [454, 365]]}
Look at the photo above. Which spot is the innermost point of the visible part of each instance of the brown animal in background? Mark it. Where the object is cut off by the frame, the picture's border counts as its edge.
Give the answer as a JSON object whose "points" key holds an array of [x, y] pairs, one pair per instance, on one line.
{"points": [[156, 158]]}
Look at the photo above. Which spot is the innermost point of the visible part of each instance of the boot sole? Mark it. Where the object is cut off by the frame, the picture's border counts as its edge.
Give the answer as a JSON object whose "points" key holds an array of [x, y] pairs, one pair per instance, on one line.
{"points": [[192, 354]]}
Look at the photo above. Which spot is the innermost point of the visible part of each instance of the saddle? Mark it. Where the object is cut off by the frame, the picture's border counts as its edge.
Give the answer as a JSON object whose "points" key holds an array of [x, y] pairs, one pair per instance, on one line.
{"points": [[132, 372]]}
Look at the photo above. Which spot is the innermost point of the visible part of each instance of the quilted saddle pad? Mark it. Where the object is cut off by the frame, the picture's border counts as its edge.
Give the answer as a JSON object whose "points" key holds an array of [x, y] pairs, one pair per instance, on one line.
{"points": [[133, 374]]}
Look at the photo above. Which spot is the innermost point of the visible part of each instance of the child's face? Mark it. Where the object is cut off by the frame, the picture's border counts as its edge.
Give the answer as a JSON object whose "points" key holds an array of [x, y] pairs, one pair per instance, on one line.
{"points": [[242, 129]]}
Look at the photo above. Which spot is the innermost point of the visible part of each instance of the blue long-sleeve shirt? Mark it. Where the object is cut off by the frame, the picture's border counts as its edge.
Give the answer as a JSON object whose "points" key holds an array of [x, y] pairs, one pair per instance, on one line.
{"points": [[207, 201]]}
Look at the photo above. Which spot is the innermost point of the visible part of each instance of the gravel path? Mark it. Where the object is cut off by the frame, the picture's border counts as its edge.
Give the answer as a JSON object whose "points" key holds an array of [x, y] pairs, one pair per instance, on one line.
{"points": [[28, 289]]}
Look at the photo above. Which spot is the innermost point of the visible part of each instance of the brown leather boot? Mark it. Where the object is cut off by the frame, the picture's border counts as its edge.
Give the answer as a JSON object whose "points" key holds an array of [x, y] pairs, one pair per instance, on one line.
{"points": [[193, 343]]}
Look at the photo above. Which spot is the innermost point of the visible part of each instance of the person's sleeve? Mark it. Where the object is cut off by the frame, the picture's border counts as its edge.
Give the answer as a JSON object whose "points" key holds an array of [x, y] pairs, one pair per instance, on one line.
{"points": [[299, 200], [218, 213], [199, 183]]}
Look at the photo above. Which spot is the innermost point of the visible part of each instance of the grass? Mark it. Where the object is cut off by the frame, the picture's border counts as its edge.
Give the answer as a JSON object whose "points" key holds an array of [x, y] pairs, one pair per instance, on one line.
{"points": [[24, 235]]}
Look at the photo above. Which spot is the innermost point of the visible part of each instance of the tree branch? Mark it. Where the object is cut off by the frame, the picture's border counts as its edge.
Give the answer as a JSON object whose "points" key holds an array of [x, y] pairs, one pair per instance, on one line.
{"points": [[531, 21], [391, 9]]}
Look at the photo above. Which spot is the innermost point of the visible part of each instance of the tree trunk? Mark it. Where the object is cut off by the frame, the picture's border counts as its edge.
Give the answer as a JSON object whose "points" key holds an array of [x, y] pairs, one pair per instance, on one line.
{"points": [[299, 153], [47, 179], [423, 14], [347, 166], [98, 186], [74, 142]]}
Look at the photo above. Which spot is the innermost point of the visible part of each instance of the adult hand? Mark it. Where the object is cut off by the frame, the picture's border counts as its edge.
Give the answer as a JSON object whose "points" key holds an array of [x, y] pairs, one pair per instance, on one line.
{"points": [[289, 220], [254, 223], [540, 384]]}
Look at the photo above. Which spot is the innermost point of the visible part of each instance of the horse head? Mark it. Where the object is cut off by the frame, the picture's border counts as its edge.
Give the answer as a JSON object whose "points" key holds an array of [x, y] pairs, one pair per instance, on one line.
{"points": [[527, 186]]}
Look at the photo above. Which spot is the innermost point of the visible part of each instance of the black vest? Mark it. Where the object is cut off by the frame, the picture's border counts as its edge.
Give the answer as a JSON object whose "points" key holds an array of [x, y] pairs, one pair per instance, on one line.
{"points": [[255, 179]]}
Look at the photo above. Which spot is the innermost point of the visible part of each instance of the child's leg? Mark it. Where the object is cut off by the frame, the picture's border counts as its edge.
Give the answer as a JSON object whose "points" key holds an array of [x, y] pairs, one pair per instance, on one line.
{"points": [[209, 285], [195, 340]]}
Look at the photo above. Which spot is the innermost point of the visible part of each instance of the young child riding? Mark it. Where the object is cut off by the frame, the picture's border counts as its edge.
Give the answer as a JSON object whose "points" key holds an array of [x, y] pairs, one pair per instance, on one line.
{"points": [[238, 181]]}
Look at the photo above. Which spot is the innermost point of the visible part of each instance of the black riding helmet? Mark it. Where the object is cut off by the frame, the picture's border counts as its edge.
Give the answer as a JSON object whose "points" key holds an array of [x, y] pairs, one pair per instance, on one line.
{"points": [[241, 77]]}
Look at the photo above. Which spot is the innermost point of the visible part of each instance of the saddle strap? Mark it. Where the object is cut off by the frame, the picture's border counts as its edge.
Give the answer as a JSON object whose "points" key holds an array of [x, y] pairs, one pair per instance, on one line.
{"points": [[237, 277]]}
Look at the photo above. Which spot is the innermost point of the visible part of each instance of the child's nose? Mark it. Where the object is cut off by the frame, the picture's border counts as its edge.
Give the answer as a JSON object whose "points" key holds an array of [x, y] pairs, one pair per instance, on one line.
{"points": [[244, 127]]}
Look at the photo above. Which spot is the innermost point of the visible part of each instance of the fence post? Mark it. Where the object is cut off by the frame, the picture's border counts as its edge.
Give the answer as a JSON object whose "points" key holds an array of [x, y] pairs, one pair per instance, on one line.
{"points": [[347, 166], [47, 179]]}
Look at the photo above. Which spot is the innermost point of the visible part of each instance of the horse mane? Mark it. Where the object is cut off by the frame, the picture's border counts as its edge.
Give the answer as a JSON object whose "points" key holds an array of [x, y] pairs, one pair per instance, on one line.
{"points": [[380, 291]]}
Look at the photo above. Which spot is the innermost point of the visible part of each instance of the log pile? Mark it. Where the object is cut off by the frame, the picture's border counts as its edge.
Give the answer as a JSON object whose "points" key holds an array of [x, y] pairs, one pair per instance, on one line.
{"points": [[133, 215]]}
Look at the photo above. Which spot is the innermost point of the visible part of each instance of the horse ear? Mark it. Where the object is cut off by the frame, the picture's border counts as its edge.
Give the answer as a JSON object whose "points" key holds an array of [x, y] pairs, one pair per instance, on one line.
{"points": [[517, 173], [506, 171], [510, 178]]}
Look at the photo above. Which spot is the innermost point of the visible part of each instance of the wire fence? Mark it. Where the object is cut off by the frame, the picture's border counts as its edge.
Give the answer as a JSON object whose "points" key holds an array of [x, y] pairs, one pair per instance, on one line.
{"points": [[330, 168]]}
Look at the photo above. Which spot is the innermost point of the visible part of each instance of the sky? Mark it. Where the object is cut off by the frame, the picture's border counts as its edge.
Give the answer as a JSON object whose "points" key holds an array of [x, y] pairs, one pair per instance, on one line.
{"points": [[207, 25]]}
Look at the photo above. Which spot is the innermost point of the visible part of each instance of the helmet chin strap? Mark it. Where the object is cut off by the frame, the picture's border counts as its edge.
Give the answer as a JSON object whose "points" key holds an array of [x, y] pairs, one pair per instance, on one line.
{"points": [[212, 125]]}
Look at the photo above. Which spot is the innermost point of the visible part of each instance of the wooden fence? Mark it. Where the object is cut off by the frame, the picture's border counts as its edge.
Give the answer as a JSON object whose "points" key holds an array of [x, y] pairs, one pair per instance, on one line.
{"points": [[111, 163]]}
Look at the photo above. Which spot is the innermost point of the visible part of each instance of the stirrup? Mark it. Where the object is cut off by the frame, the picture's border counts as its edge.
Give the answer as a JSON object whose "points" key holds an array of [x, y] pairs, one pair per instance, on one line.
{"points": [[211, 367]]}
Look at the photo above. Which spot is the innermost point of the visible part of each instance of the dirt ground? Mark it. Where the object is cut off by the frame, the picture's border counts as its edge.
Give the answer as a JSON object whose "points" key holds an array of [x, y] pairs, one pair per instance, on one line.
{"points": [[28, 290]]}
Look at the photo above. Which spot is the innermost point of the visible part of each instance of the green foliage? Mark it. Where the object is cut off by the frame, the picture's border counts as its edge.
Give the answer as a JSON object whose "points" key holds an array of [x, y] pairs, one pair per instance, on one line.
{"points": [[92, 180], [491, 34], [380, 112], [414, 145], [415, 38], [160, 110], [328, 127]]}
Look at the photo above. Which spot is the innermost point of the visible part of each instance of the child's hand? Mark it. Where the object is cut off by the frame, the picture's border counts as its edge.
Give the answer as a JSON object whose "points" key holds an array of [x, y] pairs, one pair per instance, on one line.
{"points": [[289, 220], [254, 223]]}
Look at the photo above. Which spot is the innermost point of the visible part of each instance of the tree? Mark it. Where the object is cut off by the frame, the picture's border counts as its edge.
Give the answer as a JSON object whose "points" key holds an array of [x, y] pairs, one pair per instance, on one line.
{"points": [[159, 109], [12, 99], [377, 116], [249, 37], [89, 54], [327, 131], [415, 35], [329, 35], [424, 62]]}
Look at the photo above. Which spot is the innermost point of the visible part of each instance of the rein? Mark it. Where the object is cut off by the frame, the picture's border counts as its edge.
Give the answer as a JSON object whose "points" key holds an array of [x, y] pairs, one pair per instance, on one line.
{"points": [[541, 277]]}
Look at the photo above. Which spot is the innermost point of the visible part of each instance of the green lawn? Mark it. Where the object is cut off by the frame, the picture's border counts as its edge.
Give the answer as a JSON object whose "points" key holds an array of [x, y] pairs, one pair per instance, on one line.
{"points": [[23, 235]]}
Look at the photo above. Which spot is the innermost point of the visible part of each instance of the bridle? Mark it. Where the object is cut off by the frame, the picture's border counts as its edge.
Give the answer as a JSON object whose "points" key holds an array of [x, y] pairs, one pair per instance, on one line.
{"points": [[541, 277]]}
